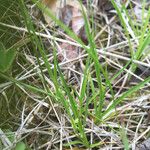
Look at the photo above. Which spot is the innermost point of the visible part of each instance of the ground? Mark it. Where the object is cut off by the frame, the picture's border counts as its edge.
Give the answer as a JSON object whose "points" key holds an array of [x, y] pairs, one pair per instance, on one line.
{"points": [[74, 75]]}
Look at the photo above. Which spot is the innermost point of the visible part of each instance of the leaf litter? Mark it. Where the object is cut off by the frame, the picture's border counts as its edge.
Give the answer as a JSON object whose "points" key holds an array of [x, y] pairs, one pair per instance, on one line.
{"points": [[70, 14]]}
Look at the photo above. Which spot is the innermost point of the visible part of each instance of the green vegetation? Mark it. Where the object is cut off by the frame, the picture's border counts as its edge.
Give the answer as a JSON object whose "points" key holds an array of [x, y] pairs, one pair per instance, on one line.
{"points": [[42, 106]]}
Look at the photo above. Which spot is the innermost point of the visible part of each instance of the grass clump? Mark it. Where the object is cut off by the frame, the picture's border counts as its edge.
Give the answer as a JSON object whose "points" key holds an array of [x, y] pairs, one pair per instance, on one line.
{"points": [[86, 108]]}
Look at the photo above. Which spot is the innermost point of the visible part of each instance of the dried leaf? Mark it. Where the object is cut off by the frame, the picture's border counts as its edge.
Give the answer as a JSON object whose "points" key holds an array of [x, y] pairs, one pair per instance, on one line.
{"points": [[83, 36], [53, 5], [56, 5], [72, 17], [66, 15], [77, 24], [67, 52], [50, 3]]}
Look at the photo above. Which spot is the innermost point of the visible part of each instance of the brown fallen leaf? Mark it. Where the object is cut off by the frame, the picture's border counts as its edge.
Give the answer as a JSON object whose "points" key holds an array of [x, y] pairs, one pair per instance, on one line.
{"points": [[72, 17], [77, 24], [67, 52], [55, 6], [50, 3], [66, 15], [83, 35]]}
